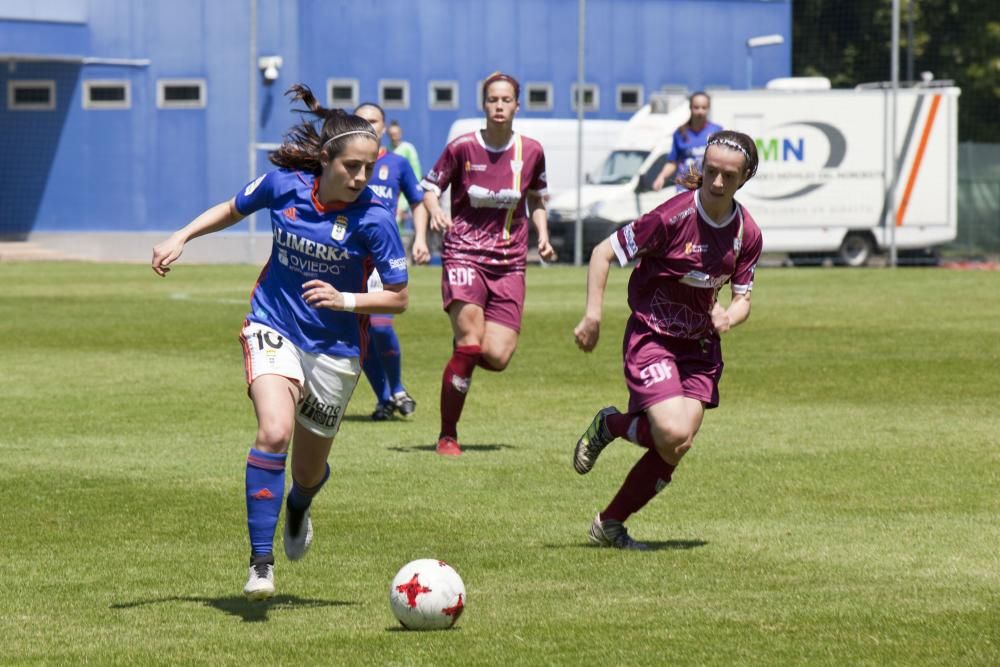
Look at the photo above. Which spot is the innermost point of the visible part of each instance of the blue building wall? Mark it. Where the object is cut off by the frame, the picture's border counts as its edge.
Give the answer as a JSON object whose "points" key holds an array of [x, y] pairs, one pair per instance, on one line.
{"points": [[145, 168]]}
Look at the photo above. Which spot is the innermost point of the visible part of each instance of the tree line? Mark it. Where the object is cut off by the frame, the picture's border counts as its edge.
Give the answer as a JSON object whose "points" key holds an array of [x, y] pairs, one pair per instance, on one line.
{"points": [[849, 42]]}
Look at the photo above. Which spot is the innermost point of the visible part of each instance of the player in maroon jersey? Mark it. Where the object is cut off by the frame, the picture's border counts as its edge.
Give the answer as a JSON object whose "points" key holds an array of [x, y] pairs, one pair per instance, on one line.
{"points": [[688, 248], [497, 180]]}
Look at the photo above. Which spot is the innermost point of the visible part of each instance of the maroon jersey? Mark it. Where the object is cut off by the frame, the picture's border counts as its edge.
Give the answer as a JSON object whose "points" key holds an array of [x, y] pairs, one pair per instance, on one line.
{"points": [[685, 258], [489, 209]]}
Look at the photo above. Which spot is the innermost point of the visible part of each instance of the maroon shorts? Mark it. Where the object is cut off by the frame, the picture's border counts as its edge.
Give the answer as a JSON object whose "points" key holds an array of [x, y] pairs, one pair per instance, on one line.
{"points": [[659, 367], [500, 295]]}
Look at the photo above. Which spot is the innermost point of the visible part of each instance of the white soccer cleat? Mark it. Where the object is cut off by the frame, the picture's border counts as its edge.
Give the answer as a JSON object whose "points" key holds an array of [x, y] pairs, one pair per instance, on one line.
{"points": [[612, 533], [297, 545], [260, 582]]}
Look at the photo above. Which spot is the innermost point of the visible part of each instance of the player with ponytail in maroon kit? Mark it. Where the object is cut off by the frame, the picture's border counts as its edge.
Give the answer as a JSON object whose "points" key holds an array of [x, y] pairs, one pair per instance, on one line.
{"points": [[497, 181], [688, 248]]}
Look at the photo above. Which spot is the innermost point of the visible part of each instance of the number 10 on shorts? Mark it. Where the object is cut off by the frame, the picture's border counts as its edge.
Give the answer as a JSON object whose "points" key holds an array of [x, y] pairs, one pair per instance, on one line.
{"points": [[461, 276], [654, 373]]}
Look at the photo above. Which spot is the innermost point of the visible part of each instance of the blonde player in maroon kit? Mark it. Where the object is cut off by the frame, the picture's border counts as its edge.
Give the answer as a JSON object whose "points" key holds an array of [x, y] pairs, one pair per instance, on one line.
{"points": [[497, 181], [688, 248]]}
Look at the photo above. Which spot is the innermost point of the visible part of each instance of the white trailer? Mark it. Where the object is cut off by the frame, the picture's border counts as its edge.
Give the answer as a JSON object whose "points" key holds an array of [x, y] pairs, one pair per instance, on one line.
{"points": [[824, 172]]}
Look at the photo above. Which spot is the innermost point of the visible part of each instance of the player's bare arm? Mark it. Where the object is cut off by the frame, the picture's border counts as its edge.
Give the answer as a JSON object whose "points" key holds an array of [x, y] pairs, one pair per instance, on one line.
{"points": [[738, 312], [440, 221], [540, 218], [218, 217], [393, 299], [668, 170], [588, 331], [431, 212]]}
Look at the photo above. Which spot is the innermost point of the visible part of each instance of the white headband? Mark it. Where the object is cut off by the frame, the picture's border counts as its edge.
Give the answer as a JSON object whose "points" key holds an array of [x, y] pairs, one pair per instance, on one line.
{"points": [[344, 134], [729, 143]]}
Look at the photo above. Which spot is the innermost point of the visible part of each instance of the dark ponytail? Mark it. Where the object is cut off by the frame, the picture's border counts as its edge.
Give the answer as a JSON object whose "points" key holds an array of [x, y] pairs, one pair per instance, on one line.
{"points": [[303, 144], [730, 140]]}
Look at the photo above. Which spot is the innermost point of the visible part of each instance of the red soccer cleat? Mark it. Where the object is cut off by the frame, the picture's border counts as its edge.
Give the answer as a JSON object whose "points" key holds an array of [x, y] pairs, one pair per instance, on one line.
{"points": [[448, 446]]}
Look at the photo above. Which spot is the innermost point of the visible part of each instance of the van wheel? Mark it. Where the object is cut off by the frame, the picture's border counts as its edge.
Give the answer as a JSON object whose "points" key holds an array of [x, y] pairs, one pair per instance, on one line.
{"points": [[856, 249]]}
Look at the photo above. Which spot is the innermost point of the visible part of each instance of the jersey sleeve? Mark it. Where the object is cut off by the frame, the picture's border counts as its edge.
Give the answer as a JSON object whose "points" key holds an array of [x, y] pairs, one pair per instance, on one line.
{"points": [[257, 194], [384, 245], [746, 263], [438, 178], [539, 183], [408, 184], [637, 238]]}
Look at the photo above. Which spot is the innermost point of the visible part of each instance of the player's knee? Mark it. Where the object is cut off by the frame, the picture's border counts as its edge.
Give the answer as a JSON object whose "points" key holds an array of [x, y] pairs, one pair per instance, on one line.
{"points": [[273, 437], [494, 361], [671, 436], [671, 453]]}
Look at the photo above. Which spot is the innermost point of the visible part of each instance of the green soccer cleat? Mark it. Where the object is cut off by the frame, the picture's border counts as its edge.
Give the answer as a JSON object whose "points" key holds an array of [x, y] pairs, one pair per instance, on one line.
{"points": [[593, 441]]}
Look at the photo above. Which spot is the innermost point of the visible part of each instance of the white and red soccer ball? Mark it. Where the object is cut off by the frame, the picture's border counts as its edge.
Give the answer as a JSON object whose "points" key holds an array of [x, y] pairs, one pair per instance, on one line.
{"points": [[427, 594]]}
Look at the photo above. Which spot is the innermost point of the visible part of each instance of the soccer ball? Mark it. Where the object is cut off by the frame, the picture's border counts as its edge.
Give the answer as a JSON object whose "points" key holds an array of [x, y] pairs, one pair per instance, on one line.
{"points": [[427, 594]]}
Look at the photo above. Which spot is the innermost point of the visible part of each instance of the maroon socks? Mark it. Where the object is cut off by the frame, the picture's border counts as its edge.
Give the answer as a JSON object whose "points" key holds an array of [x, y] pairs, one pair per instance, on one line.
{"points": [[455, 385], [647, 478]]}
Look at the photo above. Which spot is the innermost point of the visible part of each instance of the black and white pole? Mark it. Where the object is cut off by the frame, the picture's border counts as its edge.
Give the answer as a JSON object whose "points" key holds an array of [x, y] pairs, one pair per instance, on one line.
{"points": [[578, 227], [895, 161]]}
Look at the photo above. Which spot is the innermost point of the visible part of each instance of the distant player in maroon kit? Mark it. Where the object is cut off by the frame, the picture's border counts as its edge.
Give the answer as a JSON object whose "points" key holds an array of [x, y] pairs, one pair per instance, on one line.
{"points": [[497, 180], [688, 248]]}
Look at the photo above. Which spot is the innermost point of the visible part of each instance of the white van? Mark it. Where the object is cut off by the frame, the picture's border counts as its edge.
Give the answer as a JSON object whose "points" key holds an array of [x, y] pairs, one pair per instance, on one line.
{"points": [[824, 169]]}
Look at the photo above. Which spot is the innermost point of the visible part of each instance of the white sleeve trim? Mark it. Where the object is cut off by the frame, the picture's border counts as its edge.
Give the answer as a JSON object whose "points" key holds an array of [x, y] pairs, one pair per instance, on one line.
{"points": [[742, 289], [540, 193], [619, 250], [430, 187]]}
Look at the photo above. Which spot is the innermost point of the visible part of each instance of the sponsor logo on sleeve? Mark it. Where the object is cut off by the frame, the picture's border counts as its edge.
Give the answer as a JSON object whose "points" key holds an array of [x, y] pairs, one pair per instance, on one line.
{"points": [[630, 247], [253, 186], [398, 263]]}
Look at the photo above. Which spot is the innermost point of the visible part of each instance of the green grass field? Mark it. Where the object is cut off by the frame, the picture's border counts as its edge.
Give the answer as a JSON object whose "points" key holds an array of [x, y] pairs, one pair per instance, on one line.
{"points": [[841, 507]]}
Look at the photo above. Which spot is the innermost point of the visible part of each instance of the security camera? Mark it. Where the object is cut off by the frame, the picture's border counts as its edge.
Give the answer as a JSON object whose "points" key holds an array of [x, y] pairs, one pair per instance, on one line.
{"points": [[270, 66]]}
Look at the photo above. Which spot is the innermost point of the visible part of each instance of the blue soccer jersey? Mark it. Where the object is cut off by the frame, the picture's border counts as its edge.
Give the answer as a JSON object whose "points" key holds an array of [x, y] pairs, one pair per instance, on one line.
{"points": [[338, 244], [394, 175], [689, 148]]}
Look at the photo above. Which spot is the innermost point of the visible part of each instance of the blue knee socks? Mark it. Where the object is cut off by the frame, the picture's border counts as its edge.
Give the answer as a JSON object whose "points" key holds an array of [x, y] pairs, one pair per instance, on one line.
{"points": [[265, 488]]}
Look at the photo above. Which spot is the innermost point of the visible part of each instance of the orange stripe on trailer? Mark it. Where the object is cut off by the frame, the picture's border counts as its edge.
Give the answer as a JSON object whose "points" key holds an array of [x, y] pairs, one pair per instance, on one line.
{"points": [[917, 160]]}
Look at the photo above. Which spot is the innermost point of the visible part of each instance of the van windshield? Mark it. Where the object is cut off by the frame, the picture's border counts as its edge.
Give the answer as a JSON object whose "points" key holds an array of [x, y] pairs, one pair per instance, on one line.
{"points": [[620, 167]]}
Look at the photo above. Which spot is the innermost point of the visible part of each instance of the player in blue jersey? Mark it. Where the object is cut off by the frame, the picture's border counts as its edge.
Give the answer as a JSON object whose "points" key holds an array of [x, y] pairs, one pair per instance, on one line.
{"points": [[383, 365], [307, 323], [689, 143]]}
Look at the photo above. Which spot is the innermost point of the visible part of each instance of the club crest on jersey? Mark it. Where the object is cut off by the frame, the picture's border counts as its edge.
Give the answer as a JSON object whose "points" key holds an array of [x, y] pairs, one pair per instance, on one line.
{"points": [[383, 172], [515, 166], [339, 228]]}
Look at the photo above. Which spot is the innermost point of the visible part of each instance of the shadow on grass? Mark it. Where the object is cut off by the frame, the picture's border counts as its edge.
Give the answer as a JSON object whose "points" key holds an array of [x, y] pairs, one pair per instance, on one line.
{"points": [[666, 545], [413, 449], [237, 605], [400, 628], [366, 419]]}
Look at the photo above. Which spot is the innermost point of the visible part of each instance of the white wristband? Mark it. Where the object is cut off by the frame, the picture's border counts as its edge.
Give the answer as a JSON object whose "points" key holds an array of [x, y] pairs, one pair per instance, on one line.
{"points": [[349, 301]]}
